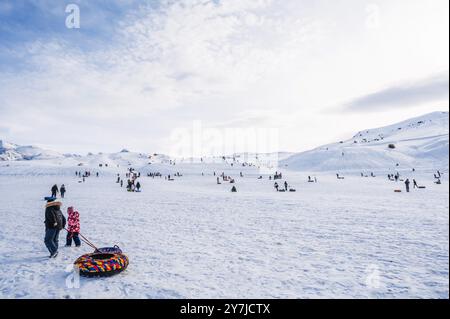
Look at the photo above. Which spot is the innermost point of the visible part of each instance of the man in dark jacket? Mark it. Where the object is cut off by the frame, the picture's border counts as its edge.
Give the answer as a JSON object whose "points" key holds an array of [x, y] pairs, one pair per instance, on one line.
{"points": [[54, 190], [54, 222]]}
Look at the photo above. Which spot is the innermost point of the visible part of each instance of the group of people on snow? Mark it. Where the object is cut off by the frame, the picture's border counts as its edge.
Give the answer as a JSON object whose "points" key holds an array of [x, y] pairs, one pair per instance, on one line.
{"points": [[365, 175], [285, 187], [153, 175], [437, 178], [55, 191], [85, 175], [396, 177], [407, 183], [277, 176], [393, 177], [311, 180], [133, 185]]}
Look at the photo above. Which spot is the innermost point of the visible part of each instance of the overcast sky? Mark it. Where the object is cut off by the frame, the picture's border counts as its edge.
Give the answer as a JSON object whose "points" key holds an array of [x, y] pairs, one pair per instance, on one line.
{"points": [[136, 71]]}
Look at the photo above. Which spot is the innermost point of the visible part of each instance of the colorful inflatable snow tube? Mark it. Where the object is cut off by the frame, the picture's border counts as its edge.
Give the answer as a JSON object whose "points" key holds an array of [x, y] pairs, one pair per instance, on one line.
{"points": [[105, 262]]}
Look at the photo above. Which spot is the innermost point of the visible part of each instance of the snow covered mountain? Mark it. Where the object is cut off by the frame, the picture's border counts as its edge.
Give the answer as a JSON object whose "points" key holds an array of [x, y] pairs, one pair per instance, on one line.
{"points": [[14, 152], [420, 142]]}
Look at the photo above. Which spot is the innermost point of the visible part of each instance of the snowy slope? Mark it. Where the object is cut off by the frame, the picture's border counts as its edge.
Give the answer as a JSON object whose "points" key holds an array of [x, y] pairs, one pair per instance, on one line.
{"points": [[420, 142], [192, 238]]}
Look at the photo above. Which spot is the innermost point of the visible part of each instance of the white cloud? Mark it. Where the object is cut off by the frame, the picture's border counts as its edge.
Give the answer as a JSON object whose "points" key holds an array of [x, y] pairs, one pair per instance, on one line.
{"points": [[266, 63]]}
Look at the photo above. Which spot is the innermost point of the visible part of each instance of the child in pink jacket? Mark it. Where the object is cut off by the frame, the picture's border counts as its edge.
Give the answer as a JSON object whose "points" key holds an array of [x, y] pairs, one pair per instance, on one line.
{"points": [[73, 227]]}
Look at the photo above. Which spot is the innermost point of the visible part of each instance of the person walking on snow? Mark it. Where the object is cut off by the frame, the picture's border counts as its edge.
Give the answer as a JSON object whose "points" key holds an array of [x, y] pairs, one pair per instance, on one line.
{"points": [[62, 190], [54, 190], [285, 186], [138, 186], [73, 221], [415, 184], [407, 182], [276, 186], [54, 223]]}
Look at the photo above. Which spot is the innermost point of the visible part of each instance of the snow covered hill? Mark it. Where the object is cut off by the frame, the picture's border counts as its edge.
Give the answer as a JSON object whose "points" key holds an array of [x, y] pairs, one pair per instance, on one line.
{"points": [[14, 152], [122, 158], [420, 142]]}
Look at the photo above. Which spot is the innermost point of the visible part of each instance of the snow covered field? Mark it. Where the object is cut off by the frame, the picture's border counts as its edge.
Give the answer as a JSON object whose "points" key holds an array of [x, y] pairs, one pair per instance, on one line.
{"points": [[192, 238]]}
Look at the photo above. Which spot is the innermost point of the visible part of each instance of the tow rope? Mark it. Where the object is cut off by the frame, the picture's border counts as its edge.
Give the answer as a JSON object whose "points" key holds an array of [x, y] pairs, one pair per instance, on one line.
{"points": [[85, 240]]}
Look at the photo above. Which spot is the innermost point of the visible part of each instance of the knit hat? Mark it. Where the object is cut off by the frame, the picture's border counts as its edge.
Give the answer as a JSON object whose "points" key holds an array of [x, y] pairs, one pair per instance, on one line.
{"points": [[50, 199]]}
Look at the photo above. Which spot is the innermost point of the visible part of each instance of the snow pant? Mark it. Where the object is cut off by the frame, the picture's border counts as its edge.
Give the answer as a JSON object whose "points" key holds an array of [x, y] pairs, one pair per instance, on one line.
{"points": [[54, 194], [62, 194], [51, 239], [407, 188], [75, 238]]}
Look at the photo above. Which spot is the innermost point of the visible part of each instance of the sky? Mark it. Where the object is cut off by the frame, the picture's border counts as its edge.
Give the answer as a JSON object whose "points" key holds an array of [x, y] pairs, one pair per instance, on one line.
{"points": [[144, 75]]}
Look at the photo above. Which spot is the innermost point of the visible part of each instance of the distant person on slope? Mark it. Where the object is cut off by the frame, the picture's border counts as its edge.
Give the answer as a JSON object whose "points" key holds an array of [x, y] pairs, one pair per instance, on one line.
{"points": [[415, 184], [285, 186], [62, 190], [407, 182], [54, 190], [138, 186], [73, 221], [54, 222]]}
